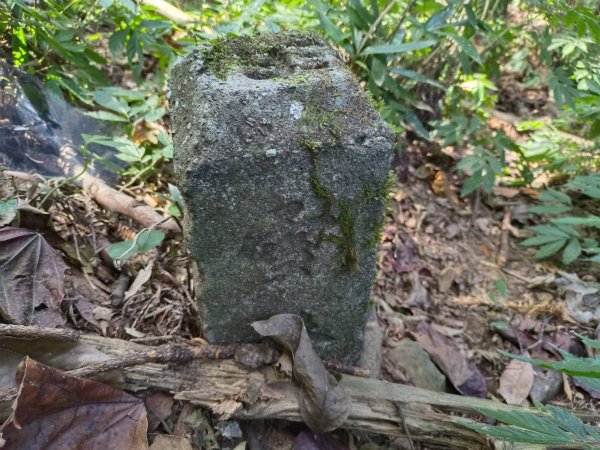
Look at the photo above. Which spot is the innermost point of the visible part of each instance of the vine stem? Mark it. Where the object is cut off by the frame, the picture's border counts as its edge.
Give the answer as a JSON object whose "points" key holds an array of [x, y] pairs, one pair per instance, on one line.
{"points": [[374, 26]]}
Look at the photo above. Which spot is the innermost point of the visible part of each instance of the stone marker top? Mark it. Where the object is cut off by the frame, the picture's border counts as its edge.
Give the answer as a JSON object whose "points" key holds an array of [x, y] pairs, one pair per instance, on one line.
{"points": [[269, 55], [283, 165]]}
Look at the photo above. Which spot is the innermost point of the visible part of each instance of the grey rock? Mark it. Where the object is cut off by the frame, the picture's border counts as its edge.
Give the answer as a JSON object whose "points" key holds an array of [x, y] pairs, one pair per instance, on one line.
{"points": [[293, 233], [230, 429], [412, 360], [547, 384]]}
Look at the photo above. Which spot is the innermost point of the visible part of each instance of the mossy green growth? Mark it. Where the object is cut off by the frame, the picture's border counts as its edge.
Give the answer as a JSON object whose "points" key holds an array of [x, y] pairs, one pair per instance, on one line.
{"points": [[380, 189], [378, 104], [347, 221], [377, 233], [266, 50], [313, 147], [321, 192], [380, 192], [317, 118]]}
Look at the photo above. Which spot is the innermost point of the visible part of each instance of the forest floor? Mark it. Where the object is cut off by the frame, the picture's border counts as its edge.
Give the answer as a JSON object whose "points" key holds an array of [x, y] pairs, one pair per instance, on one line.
{"points": [[451, 277]]}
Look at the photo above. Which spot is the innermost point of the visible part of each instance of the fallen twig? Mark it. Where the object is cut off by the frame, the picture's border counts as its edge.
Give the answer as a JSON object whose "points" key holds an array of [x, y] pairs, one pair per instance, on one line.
{"points": [[502, 256], [32, 332], [121, 203]]}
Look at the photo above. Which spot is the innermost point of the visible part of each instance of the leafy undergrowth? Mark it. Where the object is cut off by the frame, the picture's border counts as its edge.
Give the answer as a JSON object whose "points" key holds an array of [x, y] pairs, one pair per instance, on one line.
{"points": [[452, 276]]}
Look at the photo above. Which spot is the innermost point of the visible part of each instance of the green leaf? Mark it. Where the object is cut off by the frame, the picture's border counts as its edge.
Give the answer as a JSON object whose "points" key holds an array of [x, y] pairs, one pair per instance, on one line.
{"points": [[525, 436], [591, 382], [121, 251], [550, 249], [176, 195], [569, 421], [106, 99], [472, 183], [398, 48], [134, 48], [9, 205], [594, 129], [8, 210], [328, 26], [594, 259], [549, 209], [149, 239], [466, 46], [116, 42], [587, 341], [19, 46], [106, 115], [526, 427], [501, 325], [549, 230], [550, 195], [571, 251], [155, 114], [412, 119], [541, 239], [571, 365], [378, 71], [411, 74], [501, 286], [592, 221]]}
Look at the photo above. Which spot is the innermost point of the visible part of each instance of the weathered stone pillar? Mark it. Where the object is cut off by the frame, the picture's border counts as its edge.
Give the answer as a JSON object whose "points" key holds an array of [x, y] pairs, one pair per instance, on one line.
{"points": [[283, 164]]}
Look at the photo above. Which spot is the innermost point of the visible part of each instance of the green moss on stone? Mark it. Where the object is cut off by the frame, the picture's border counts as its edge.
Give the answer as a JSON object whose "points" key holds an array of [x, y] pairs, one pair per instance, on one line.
{"points": [[347, 222], [266, 50], [312, 146], [380, 189], [377, 232]]}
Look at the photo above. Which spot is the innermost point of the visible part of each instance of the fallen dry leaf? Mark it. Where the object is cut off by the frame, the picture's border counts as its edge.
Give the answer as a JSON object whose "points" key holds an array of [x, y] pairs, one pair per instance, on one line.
{"points": [[464, 375], [516, 382], [56, 411], [324, 406], [159, 407], [167, 442], [146, 132], [58, 353], [506, 192], [32, 279], [142, 277]]}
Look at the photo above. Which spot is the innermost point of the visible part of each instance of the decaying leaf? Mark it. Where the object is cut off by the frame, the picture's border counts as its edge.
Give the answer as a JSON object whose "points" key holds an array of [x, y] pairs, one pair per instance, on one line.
{"points": [[32, 279], [324, 406], [56, 411], [166, 442], [465, 376], [58, 353], [142, 277], [516, 382]]}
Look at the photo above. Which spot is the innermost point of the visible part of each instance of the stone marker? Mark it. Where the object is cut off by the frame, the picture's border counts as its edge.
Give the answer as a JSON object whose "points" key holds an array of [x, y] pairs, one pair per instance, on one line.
{"points": [[283, 165]]}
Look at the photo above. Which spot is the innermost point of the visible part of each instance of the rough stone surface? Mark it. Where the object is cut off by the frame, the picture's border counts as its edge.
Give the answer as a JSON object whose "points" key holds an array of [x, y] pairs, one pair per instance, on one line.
{"points": [[370, 358], [412, 360], [547, 385], [282, 162]]}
